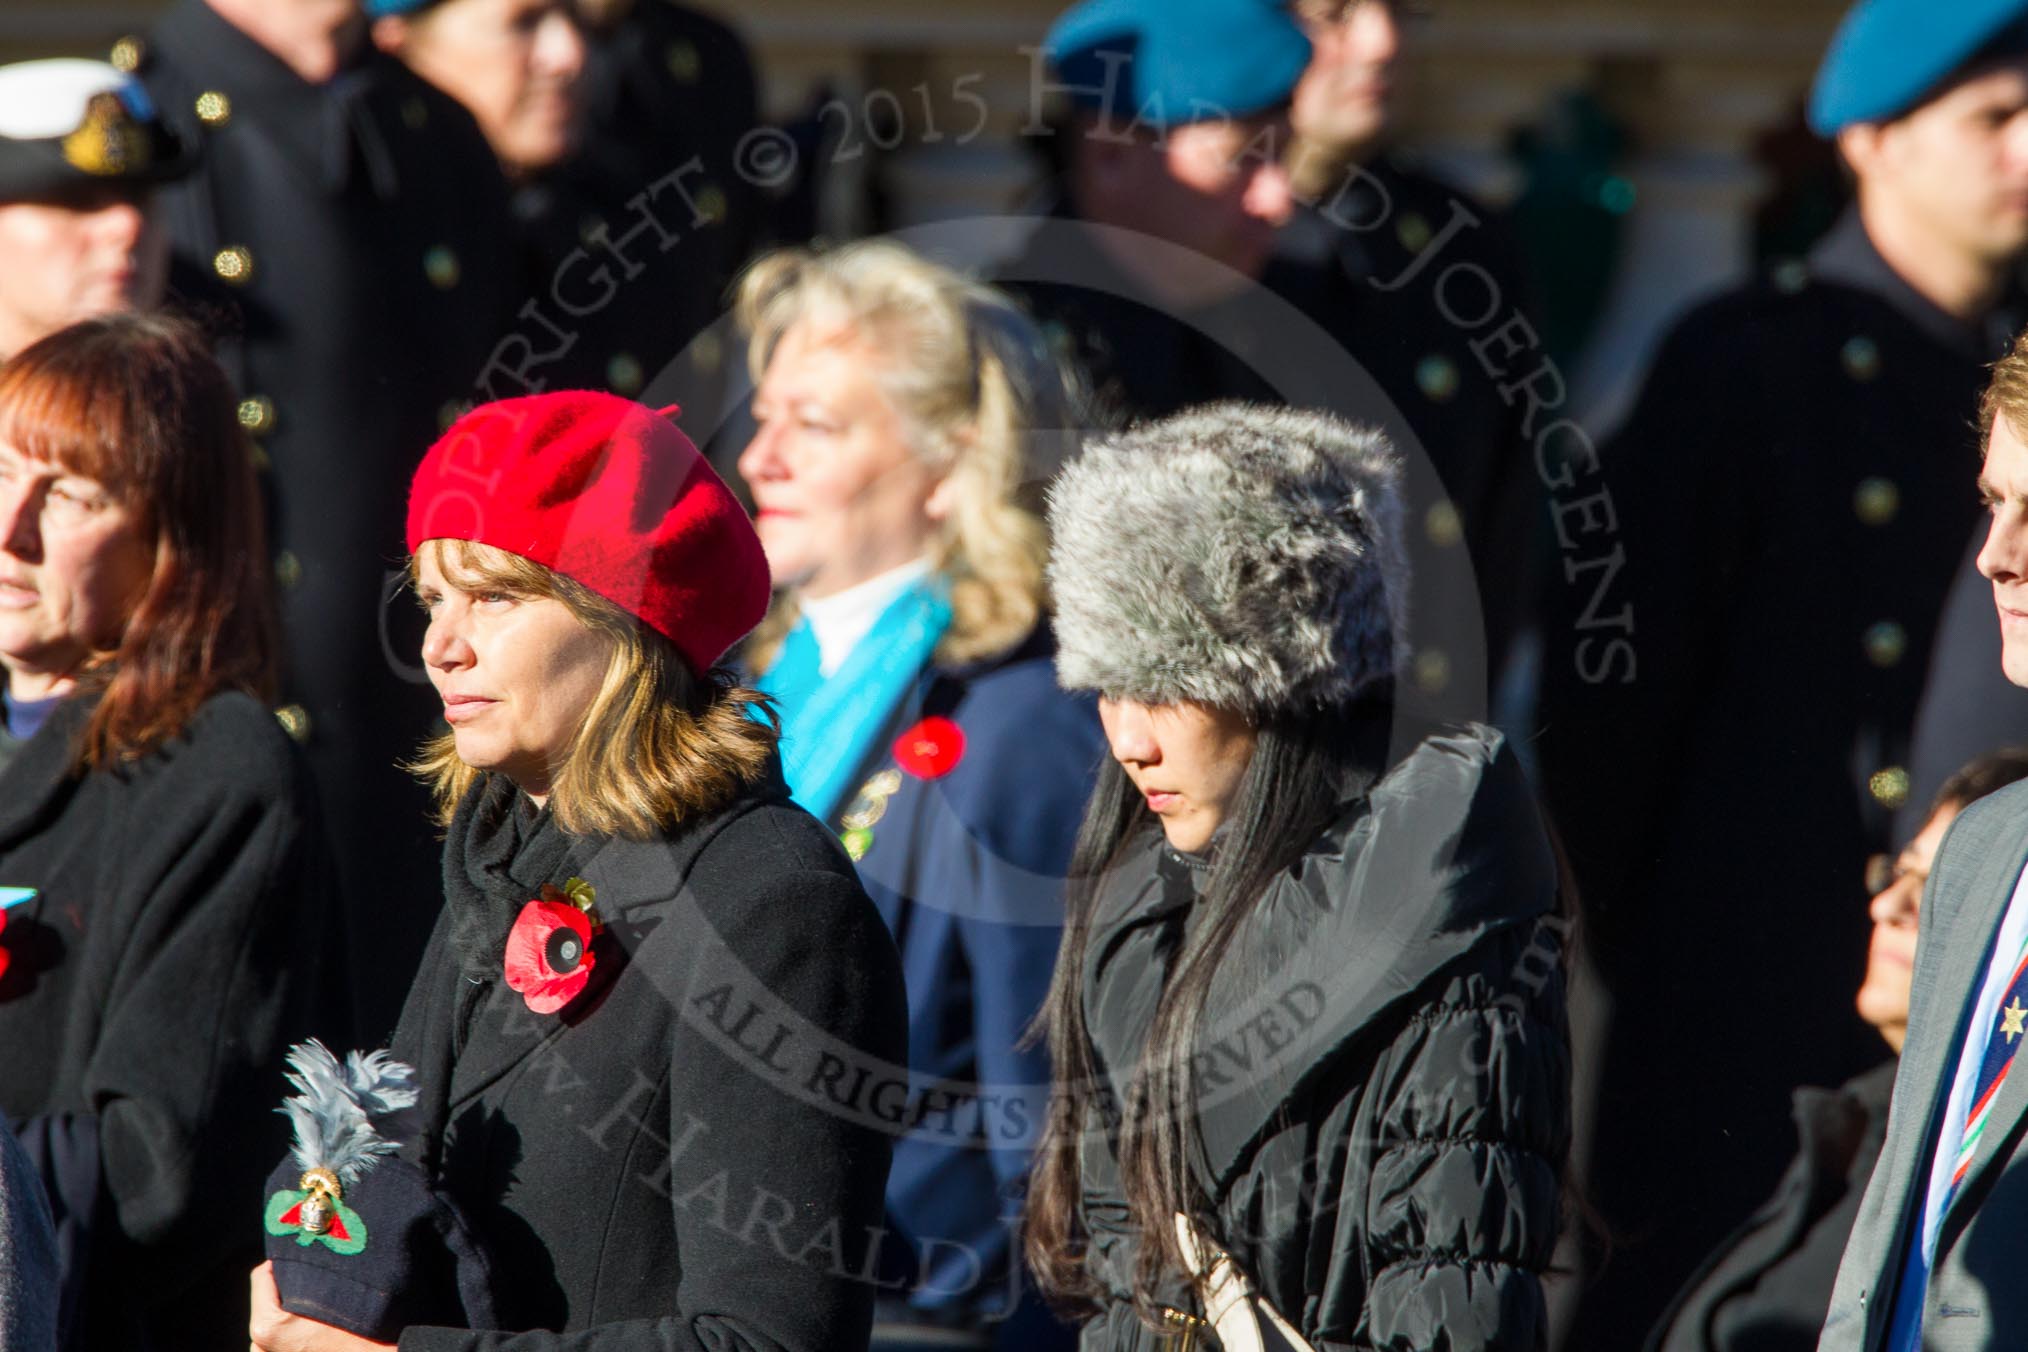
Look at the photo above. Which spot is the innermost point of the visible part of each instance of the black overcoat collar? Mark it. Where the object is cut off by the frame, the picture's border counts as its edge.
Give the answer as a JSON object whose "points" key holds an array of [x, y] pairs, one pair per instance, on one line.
{"points": [[1389, 895], [1847, 257], [638, 885], [38, 780]]}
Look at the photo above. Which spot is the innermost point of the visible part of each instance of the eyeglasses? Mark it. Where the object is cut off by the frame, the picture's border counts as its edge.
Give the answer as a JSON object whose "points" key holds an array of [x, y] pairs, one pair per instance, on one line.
{"points": [[1885, 870], [1338, 11]]}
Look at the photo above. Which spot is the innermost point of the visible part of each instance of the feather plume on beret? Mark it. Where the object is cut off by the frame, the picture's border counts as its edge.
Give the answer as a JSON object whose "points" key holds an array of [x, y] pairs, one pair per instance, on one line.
{"points": [[1233, 555]]}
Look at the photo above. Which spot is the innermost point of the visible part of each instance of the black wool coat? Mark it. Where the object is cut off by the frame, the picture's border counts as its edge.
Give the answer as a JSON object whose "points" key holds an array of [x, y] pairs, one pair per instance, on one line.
{"points": [[659, 1164], [1768, 1287], [172, 953], [1382, 1070], [1748, 583]]}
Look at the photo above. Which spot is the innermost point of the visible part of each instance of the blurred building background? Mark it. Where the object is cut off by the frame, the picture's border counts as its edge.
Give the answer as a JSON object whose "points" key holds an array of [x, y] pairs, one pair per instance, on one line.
{"points": [[1652, 148]]}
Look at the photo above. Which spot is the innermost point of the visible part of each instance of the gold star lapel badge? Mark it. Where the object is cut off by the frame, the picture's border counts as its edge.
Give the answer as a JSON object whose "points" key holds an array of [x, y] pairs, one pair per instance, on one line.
{"points": [[2011, 1018]]}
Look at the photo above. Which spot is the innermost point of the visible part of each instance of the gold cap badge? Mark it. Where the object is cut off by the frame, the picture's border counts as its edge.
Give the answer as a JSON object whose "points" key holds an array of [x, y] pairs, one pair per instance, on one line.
{"points": [[109, 142]]}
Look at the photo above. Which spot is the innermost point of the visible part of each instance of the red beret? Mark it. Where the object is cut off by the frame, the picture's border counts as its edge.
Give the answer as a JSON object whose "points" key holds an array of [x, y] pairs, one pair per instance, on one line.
{"points": [[609, 494]]}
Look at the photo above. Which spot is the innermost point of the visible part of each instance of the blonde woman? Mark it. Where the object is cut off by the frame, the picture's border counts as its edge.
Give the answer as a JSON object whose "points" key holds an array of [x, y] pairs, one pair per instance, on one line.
{"points": [[899, 409], [645, 951]]}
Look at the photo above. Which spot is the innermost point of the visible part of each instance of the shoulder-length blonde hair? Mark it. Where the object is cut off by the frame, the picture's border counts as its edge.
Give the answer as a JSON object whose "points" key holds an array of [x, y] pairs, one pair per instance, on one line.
{"points": [[659, 744], [983, 399]]}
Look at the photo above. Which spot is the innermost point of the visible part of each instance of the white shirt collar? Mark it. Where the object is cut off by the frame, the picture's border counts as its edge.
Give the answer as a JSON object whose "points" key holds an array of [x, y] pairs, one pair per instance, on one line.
{"points": [[839, 621]]}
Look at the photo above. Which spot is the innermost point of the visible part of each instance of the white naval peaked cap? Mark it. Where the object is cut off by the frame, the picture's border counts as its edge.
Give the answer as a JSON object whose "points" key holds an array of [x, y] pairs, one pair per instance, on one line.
{"points": [[67, 124], [40, 100]]}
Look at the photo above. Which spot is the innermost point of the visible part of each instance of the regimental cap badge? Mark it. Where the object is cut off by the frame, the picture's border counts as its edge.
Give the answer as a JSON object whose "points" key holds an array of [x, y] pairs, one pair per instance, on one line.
{"points": [[334, 1114], [110, 143], [62, 121]]}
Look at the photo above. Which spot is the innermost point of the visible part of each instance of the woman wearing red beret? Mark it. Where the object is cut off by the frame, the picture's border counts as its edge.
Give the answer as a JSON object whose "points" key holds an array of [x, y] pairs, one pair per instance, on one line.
{"points": [[648, 962]]}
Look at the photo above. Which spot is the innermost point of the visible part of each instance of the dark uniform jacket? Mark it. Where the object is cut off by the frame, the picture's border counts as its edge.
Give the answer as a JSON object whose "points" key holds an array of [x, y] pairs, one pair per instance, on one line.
{"points": [[1137, 355], [1734, 642], [347, 242], [1968, 707], [1359, 313], [1384, 1100], [967, 869], [628, 250], [183, 913], [1768, 1288], [1422, 287], [673, 1160]]}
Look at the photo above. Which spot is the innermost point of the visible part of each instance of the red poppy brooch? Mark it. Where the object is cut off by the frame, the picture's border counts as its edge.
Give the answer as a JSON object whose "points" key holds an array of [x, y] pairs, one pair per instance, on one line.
{"points": [[931, 749], [11, 897], [549, 951]]}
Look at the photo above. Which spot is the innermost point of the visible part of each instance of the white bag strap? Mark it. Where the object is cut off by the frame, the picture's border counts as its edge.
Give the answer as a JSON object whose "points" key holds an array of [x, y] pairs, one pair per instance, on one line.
{"points": [[1245, 1321]]}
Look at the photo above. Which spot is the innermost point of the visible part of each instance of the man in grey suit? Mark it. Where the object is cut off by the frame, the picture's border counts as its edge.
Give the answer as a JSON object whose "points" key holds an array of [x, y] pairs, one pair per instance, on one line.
{"points": [[1938, 1258]]}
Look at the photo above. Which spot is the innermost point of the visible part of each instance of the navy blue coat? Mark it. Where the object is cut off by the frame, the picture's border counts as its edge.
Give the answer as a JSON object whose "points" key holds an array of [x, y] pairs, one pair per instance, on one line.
{"points": [[967, 869]]}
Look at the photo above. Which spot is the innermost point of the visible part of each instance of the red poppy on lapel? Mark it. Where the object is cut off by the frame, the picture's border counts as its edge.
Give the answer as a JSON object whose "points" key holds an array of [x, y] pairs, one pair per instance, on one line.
{"points": [[5, 956], [549, 950], [930, 749]]}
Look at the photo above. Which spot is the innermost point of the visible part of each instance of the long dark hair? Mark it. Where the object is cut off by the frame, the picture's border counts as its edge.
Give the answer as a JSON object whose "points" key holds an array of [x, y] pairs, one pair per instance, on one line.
{"points": [[1303, 768], [137, 402]]}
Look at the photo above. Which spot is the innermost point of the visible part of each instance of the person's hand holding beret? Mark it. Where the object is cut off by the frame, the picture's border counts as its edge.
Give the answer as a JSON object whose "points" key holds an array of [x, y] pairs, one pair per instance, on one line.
{"points": [[270, 1328]]}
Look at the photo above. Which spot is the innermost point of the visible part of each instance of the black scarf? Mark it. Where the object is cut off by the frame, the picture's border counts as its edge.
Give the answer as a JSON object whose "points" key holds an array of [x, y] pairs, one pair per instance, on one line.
{"points": [[499, 852]]}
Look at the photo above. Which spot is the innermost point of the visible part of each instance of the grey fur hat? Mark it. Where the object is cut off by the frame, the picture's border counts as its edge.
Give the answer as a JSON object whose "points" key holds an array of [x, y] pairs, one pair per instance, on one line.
{"points": [[1234, 555]]}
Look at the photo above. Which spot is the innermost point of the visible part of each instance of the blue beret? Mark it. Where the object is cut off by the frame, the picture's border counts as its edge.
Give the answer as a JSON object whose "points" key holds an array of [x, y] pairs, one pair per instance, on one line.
{"points": [[381, 9], [1168, 62], [1889, 55]]}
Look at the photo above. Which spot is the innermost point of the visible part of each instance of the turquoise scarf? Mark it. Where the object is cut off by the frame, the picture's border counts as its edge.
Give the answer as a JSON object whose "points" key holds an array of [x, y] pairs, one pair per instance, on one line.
{"points": [[829, 725]]}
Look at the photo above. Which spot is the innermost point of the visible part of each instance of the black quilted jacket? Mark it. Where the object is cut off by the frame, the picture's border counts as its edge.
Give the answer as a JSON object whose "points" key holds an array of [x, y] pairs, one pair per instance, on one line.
{"points": [[1383, 1073]]}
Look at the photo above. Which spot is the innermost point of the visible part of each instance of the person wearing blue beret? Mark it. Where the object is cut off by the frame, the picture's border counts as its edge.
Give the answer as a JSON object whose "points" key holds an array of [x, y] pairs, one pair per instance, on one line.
{"points": [[620, 126], [516, 65], [1968, 703], [1180, 264], [1743, 605], [1370, 213], [1170, 190]]}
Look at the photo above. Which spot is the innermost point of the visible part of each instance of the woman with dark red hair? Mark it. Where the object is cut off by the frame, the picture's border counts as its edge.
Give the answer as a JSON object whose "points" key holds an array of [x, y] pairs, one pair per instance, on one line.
{"points": [[161, 896]]}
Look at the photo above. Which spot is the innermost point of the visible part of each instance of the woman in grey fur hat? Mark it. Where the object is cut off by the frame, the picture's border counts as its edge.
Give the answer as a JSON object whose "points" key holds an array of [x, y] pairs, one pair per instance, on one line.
{"points": [[1309, 1010]]}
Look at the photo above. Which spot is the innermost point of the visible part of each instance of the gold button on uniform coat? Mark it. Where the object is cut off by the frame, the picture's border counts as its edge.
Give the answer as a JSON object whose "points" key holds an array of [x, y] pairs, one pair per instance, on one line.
{"points": [[234, 264], [305, 239]]}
